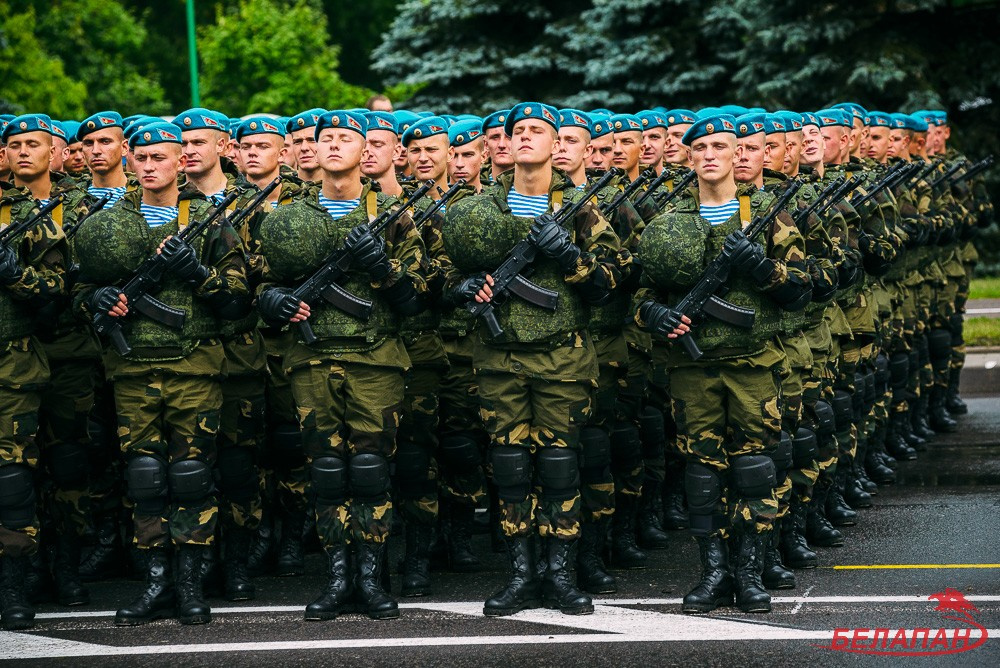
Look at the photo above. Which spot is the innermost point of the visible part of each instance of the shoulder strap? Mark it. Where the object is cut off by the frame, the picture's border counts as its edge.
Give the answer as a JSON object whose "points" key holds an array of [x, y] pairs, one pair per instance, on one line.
{"points": [[557, 200], [745, 216], [4, 216], [183, 214], [371, 205], [57, 215]]}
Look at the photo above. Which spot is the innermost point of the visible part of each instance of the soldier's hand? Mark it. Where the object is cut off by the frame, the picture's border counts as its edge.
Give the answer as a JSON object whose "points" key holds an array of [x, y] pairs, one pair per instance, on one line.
{"points": [[748, 258], [278, 306], [182, 260], [368, 252], [553, 241], [664, 321], [10, 268], [474, 288], [109, 300]]}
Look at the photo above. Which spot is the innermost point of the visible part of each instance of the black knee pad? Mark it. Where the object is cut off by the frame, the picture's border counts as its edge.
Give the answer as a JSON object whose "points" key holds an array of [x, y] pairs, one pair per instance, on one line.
{"points": [[704, 495], [843, 410], [68, 463], [558, 473], [101, 434], [782, 457], [595, 444], [753, 475], [286, 446], [626, 447], [511, 472], [923, 351], [805, 448], [826, 419], [412, 460], [329, 480], [652, 432], [236, 473], [870, 395], [882, 375], [190, 481], [899, 370], [460, 452], [956, 322], [369, 476], [146, 478], [17, 496], [939, 344]]}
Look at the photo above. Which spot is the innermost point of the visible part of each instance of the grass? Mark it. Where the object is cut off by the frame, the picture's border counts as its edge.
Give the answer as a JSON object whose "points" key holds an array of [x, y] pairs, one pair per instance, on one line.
{"points": [[985, 288], [982, 332]]}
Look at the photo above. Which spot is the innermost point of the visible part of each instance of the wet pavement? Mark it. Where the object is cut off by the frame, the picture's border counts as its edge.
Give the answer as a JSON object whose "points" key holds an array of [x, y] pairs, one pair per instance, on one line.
{"points": [[938, 528]]}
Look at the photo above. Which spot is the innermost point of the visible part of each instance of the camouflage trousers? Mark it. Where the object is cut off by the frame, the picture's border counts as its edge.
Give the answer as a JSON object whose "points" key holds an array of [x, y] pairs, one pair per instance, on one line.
{"points": [[286, 476], [241, 425], [534, 413], [107, 479], [797, 374], [726, 408], [347, 409], [459, 414], [416, 449], [172, 418], [597, 487]]}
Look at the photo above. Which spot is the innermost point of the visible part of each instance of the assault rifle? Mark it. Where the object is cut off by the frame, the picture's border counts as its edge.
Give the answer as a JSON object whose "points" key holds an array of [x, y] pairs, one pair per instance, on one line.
{"points": [[145, 282], [325, 282], [944, 178], [679, 187], [71, 231], [508, 279], [15, 229], [625, 194], [889, 180], [664, 176], [433, 208], [976, 169], [820, 202], [702, 299], [242, 214]]}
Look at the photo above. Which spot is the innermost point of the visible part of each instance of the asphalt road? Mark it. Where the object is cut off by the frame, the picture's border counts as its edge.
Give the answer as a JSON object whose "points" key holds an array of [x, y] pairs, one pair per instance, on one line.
{"points": [[937, 528]]}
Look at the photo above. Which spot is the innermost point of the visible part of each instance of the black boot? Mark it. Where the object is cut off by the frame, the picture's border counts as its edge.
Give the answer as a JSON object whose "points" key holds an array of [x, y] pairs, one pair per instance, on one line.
{"points": [[157, 600], [854, 492], [750, 593], [895, 444], [461, 558], [522, 591], [819, 531], [919, 418], [716, 585], [212, 585], [105, 560], [16, 613], [558, 590], [940, 420], [875, 467], [860, 474], [498, 542], [793, 537], [263, 548], [624, 552], [774, 574], [837, 511], [66, 571], [952, 401], [907, 430], [675, 516], [238, 585], [38, 583], [416, 563], [590, 573], [290, 547], [376, 602], [649, 530], [336, 596], [191, 605]]}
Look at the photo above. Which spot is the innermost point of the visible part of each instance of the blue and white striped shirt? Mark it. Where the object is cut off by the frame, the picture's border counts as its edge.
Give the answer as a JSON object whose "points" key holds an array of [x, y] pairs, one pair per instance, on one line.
{"points": [[157, 215], [717, 215], [338, 208], [217, 197], [528, 206], [116, 194]]}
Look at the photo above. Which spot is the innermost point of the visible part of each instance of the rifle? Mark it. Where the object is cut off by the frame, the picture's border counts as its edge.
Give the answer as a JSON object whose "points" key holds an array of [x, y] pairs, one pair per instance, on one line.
{"points": [[639, 182], [664, 176], [679, 187], [507, 277], [944, 178], [702, 299], [325, 282], [242, 214], [890, 178], [14, 229], [145, 282], [71, 231], [976, 169], [802, 216], [433, 208]]}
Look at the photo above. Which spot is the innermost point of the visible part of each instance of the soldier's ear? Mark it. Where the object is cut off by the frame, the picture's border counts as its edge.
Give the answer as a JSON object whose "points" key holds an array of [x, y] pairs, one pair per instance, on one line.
{"points": [[451, 153]]}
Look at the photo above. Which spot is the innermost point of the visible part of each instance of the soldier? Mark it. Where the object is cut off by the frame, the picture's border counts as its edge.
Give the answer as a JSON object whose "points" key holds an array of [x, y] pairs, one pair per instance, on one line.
{"points": [[382, 146], [73, 160], [301, 128], [467, 140], [348, 384], [103, 140], [498, 144], [627, 145], [167, 385], [654, 140], [32, 272], [404, 119], [602, 145], [678, 123], [262, 147], [206, 144], [59, 145]]}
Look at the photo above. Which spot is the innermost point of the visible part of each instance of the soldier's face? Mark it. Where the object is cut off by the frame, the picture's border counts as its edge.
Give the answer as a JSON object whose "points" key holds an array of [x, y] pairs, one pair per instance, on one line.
{"points": [[73, 160], [793, 152], [866, 140], [30, 154], [812, 145], [627, 149], [288, 157], [339, 150], [429, 157], [899, 144], [157, 166], [103, 149], [4, 164], [574, 149], [653, 143], [856, 131], [58, 146], [498, 147], [202, 149], [381, 150], [878, 143], [467, 162], [304, 149], [601, 149], [533, 142], [674, 151], [714, 157], [751, 153], [775, 158], [261, 154], [835, 141]]}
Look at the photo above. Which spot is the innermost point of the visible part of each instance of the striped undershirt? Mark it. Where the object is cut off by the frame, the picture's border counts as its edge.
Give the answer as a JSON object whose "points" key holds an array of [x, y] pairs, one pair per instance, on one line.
{"points": [[157, 215], [528, 206], [217, 197], [338, 208], [116, 194], [717, 215]]}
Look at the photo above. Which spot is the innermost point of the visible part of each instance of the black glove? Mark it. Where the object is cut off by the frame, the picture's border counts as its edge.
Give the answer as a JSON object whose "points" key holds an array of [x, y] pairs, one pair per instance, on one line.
{"points": [[104, 299], [368, 252], [866, 243], [182, 261], [748, 257], [10, 268], [660, 320], [553, 241], [466, 290], [277, 306]]}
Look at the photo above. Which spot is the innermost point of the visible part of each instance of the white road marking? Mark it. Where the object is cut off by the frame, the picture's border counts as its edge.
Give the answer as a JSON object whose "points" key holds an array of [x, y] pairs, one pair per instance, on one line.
{"points": [[981, 311], [798, 606]]}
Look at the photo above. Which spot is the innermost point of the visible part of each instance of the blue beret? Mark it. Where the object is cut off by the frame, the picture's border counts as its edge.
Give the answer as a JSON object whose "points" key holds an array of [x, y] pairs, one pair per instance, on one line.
{"points": [[602, 126], [602, 112], [574, 118], [662, 110], [748, 125], [835, 117], [259, 125], [652, 119], [879, 119], [201, 119], [128, 120], [519, 112], [424, 128], [917, 124], [99, 121], [709, 125], [681, 117], [464, 132], [344, 120], [809, 118], [425, 114], [469, 117], [710, 111], [305, 119], [907, 122], [495, 120], [20, 125], [138, 123], [756, 110], [361, 111], [7, 117], [734, 110], [855, 109], [626, 123], [793, 121], [774, 123], [71, 128], [448, 119], [941, 117], [3, 126], [155, 132], [404, 119], [928, 117], [58, 130], [382, 120]]}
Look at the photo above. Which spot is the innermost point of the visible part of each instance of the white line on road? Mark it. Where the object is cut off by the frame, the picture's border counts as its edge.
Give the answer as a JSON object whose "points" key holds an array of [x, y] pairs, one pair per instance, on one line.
{"points": [[981, 311]]}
